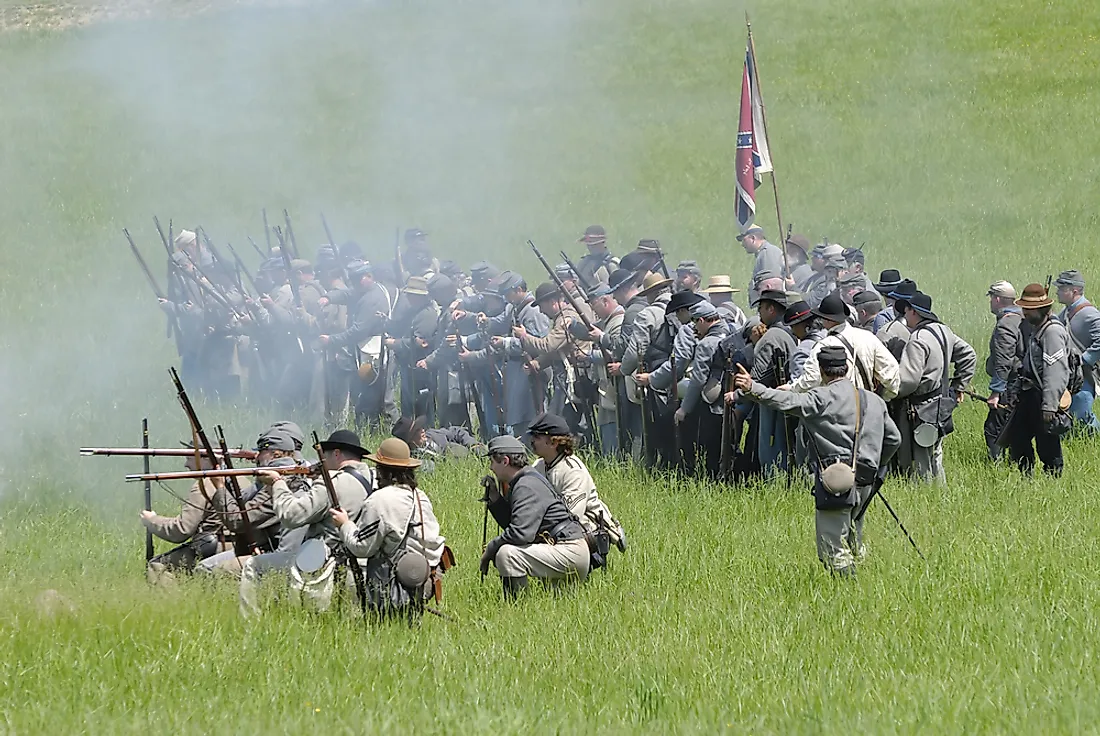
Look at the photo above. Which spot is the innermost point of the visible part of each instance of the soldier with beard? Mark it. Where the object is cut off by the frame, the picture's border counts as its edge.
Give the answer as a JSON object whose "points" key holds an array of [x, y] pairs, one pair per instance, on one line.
{"points": [[598, 263]]}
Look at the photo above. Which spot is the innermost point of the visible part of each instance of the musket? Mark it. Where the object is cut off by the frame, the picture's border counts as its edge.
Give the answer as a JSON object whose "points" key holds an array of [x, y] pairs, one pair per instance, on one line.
{"points": [[788, 433], [146, 451], [725, 463], [397, 255], [165, 241], [235, 490], [220, 473], [334, 502], [786, 263], [256, 248], [148, 489], [876, 490], [328, 232], [661, 263], [465, 381], [267, 231], [209, 244], [1050, 278], [284, 252], [243, 268], [585, 288], [144, 266], [290, 234], [973, 395]]}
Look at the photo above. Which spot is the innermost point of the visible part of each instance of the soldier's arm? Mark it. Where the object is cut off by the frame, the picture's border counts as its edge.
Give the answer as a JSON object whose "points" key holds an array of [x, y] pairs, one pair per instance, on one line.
{"points": [[1091, 354], [700, 372], [886, 370], [1003, 354], [461, 436], [891, 438], [811, 372], [302, 509], [1055, 367], [549, 346], [965, 360], [788, 402], [364, 539], [763, 366], [178, 529], [636, 343], [527, 509], [911, 366]]}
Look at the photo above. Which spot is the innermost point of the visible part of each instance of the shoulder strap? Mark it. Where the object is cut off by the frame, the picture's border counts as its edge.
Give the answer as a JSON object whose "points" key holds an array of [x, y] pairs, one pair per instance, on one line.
{"points": [[856, 360], [859, 423], [1073, 312], [368, 486], [942, 340]]}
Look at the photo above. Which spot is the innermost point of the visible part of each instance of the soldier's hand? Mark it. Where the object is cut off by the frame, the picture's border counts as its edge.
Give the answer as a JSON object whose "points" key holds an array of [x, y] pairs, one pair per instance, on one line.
{"points": [[679, 416], [464, 354], [458, 314], [531, 367], [1048, 416], [757, 332], [268, 477], [422, 364], [266, 301], [486, 560], [730, 397], [497, 342], [323, 339], [994, 401], [742, 380], [614, 369], [422, 342], [519, 331], [389, 342], [482, 319], [339, 517], [595, 334], [147, 515], [642, 379]]}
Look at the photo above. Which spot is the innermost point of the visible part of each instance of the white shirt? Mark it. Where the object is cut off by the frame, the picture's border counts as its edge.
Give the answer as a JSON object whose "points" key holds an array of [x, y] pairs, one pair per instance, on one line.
{"points": [[869, 351]]}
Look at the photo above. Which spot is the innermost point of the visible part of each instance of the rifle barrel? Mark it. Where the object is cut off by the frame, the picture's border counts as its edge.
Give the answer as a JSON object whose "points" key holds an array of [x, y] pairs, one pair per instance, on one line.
{"points": [[219, 473], [238, 452]]}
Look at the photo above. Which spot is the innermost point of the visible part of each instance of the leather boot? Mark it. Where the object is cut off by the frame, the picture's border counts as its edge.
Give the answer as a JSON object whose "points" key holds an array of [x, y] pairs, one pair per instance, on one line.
{"points": [[513, 587]]}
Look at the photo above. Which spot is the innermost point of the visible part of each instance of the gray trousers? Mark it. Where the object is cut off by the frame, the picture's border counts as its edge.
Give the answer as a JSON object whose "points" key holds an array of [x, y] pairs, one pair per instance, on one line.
{"points": [[840, 537], [548, 561]]}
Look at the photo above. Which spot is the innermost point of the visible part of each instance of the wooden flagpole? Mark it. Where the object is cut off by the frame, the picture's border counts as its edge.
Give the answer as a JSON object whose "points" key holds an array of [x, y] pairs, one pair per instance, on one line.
{"points": [[764, 120]]}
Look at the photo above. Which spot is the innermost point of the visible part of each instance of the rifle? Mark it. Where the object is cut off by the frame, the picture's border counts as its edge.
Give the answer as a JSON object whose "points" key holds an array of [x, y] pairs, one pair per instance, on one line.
{"points": [[235, 489], [148, 489], [586, 289], [973, 395], [397, 255], [209, 244], [267, 232], [256, 248], [334, 502], [786, 263], [243, 268], [290, 234], [465, 381], [725, 462], [146, 451], [219, 473], [781, 379], [165, 241], [284, 252], [328, 233], [661, 263], [876, 490], [1050, 278], [144, 266]]}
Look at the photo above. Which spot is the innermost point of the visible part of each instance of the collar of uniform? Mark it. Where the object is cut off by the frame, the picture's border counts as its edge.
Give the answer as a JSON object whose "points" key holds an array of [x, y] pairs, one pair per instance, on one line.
{"points": [[1012, 310], [1078, 302], [838, 329]]}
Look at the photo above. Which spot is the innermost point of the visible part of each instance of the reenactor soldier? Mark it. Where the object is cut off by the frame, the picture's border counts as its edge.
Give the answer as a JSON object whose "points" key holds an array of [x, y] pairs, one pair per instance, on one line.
{"points": [[1082, 321], [798, 249], [767, 256], [868, 306], [871, 366], [688, 276], [852, 438], [607, 333], [1044, 377], [314, 565], [396, 538], [895, 334], [1002, 364], [554, 444], [647, 347], [856, 259], [888, 280], [929, 388], [807, 330], [428, 443], [825, 282], [720, 293], [598, 263], [710, 329], [411, 339], [645, 258], [540, 537], [771, 357], [197, 528], [481, 273]]}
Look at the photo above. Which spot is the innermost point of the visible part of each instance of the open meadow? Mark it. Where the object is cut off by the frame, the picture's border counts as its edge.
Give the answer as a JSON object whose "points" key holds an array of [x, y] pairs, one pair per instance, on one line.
{"points": [[957, 140]]}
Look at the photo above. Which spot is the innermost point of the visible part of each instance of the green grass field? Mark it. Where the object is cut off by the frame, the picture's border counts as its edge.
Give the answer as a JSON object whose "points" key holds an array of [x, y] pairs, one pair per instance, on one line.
{"points": [[955, 139]]}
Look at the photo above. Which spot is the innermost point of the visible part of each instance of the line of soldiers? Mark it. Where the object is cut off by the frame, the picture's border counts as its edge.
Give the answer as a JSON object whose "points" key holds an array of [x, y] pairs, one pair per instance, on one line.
{"points": [[639, 361]]}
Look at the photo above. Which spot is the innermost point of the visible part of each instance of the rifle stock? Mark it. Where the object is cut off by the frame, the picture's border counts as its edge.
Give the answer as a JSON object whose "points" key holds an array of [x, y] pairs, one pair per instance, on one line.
{"points": [[148, 489], [334, 502]]}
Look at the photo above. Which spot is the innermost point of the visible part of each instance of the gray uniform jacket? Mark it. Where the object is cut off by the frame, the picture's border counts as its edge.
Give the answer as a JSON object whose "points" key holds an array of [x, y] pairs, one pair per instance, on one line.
{"points": [[922, 364], [616, 344], [519, 405], [597, 267], [768, 258], [1084, 334], [705, 348], [1044, 361], [531, 513], [196, 517], [802, 352], [775, 345], [310, 508], [642, 332], [364, 319], [819, 287], [828, 413], [1003, 363], [574, 485], [393, 515], [801, 275], [683, 350], [894, 335]]}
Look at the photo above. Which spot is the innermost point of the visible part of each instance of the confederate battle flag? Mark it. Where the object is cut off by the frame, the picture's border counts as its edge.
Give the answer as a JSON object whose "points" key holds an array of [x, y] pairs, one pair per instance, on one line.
{"points": [[753, 158]]}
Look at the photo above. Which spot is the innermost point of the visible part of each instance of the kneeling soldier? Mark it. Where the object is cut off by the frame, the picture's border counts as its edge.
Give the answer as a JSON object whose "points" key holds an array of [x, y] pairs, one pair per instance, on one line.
{"points": [[851, 437], [541, 538]]}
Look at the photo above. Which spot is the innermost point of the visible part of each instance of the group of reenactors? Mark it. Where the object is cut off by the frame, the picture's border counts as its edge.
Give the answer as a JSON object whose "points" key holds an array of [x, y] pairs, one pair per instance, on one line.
{"points": [[834, 370]]}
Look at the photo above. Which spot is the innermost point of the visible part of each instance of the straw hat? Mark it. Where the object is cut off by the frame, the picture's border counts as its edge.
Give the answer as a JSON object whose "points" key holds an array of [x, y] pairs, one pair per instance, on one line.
{"points": [[652, 282], [720, 285]]}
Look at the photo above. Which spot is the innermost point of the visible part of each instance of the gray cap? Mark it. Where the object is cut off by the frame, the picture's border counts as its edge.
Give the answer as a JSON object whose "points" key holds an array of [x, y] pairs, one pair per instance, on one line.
{"points": [[851, 279], [866, 297], [508, 280], [276, 439], [1072, 277], [600, 289], [506, 444], [703, 309], [292, 429]]}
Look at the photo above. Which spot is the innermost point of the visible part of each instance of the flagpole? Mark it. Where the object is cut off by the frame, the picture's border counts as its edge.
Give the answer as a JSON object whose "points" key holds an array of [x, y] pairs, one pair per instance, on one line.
{"points": [[764, 120]]}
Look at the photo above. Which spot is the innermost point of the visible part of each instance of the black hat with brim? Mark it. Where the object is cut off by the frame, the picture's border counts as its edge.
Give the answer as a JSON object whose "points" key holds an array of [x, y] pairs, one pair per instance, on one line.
{"points": [[888, 280], [921, 303], [682, 300], [832, 308], [344, 440], [797, 313]]}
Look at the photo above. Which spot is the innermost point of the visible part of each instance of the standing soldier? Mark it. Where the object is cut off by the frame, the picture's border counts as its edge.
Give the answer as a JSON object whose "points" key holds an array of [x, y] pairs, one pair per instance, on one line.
{"points": [[559, 351], [1044, 378], [688, 276], [855, 258], [888, 280], [767, 257], [710, 329], [798, 249], [1002, 364], [340, 363], [832, 257], [895, 334], [721, 294], [540, 537], [852, 438], [1082, 320], [598, 263], [931, 392], [412, 337], [868, 306], [607, 334], [771, 356]]}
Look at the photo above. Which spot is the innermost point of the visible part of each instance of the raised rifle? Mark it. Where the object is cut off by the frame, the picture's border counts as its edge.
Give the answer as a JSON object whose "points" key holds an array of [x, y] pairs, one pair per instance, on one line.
{"points": [[466, 381], [661, 263], [235, 490], [267, 232], [328, 234], [148, 488], [144, 266], [146, 451], [781, 379], [165, 241], [725, 462], [243, 268], [585, 288], [219, 473], [397, 261], [290, 234], [334, 502], [256, 248], [786, 263]]}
